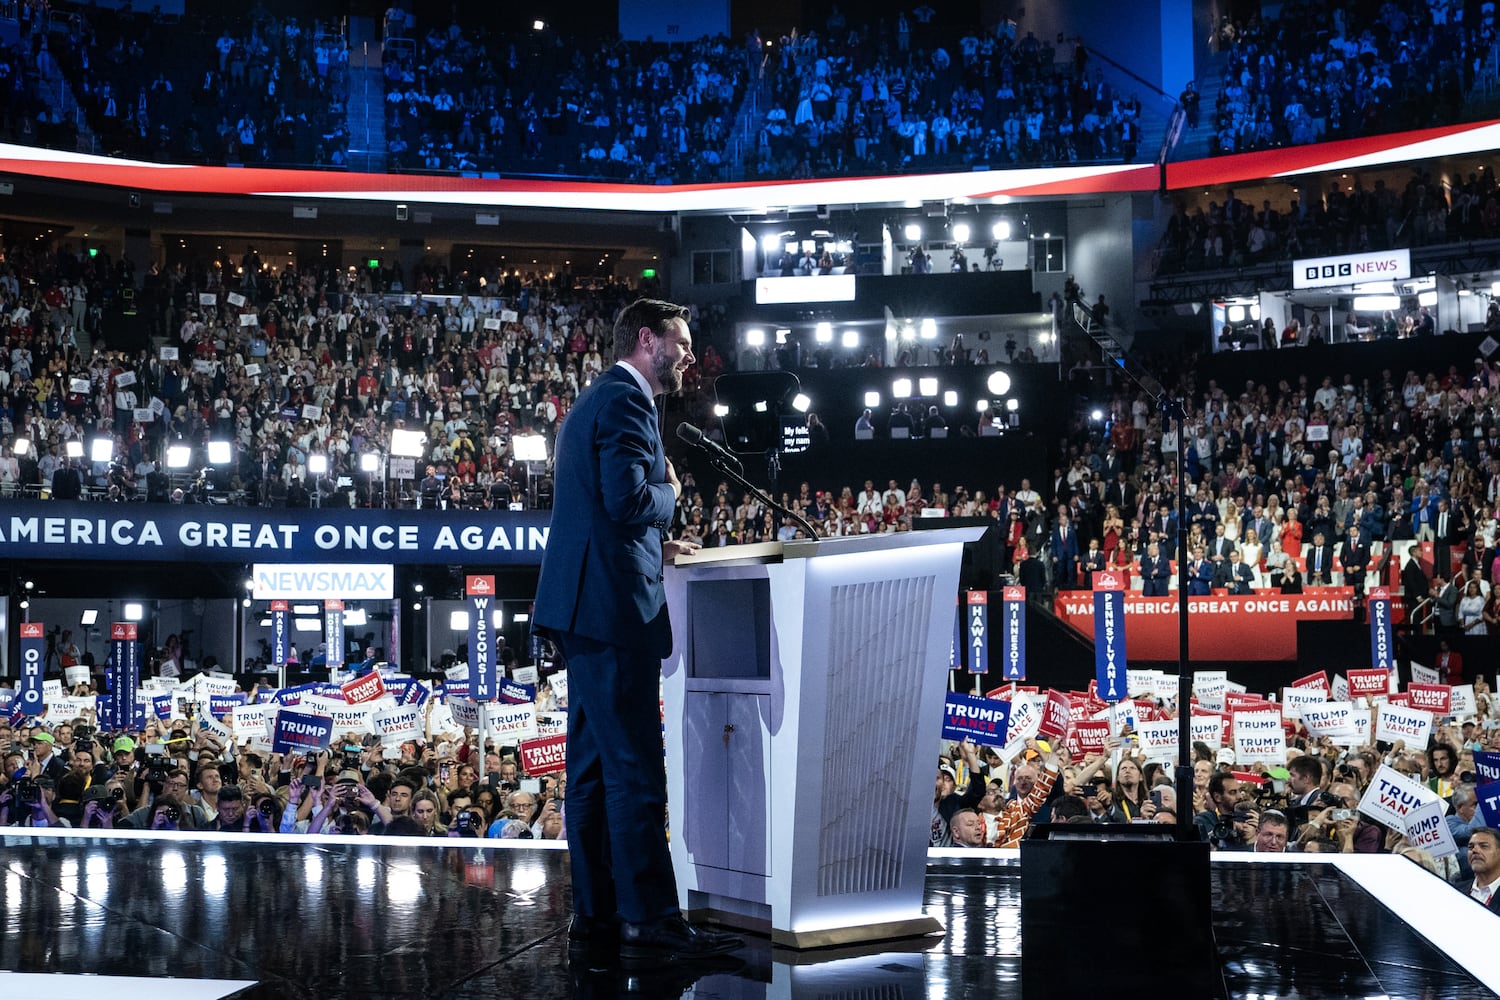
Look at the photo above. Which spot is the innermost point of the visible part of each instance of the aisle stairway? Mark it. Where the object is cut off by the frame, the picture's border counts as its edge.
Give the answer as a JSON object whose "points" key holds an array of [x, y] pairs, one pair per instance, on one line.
{"points": [[365, 114]]}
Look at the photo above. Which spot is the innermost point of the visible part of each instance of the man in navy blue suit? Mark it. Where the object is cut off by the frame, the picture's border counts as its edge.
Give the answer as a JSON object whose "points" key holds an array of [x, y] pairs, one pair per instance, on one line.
{"points": [[1200, 574], [1064, 554], [1156, 571], [601, 601]]}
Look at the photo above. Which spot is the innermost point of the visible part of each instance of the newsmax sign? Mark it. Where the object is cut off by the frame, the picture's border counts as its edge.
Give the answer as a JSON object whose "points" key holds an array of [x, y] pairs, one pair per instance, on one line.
{"points": [[1351, 269]]}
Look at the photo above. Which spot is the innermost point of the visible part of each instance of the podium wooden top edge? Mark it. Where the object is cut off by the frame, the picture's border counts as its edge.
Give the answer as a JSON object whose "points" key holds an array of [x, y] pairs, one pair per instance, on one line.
{"points": [[810, 548]]}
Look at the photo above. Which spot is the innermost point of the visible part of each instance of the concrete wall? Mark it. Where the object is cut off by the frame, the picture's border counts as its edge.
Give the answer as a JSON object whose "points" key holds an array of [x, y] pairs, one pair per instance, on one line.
{"points": [[1101, 252]]}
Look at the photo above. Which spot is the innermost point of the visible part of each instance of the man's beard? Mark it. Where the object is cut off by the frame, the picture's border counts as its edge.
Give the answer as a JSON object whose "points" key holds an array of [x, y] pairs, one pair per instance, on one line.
{"points": [[665, 372]]}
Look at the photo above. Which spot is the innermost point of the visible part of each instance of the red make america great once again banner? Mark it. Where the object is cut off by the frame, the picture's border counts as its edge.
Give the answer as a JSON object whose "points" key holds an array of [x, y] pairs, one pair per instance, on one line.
{"points": [[1224, 627]]}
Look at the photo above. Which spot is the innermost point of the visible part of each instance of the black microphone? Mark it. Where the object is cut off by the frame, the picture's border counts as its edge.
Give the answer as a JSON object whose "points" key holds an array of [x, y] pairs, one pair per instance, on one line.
{"points": [[697, 439]]}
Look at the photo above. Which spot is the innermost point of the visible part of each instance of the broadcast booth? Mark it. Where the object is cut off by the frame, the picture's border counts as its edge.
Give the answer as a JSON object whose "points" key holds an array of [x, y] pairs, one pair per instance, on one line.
{"points": [[1351, 299]]}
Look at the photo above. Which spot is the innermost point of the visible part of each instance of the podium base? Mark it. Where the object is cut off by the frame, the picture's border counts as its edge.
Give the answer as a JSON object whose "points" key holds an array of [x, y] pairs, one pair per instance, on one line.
{"points": [[828, 937], [1076, 887]]}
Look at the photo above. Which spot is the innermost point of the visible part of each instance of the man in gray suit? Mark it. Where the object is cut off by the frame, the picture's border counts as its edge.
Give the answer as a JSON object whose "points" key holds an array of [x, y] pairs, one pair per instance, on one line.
{"points": [[1446, 600]]}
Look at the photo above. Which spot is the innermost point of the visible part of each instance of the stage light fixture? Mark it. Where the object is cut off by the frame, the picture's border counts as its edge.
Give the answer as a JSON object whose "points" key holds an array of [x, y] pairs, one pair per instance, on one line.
{"points": [[317, 465], [872, 399], [913, 232], [901, 388], [929, 328], [851, 339], [1000, 230], [369, 462], [961, 232], [998, 383], [927, 386], [801, 402], [74, 448], [529, 447], [220, 453], [101, 449], [134, 611], [178, 456], [824, 333], [950, 398], [408, 444], [755, 337]]}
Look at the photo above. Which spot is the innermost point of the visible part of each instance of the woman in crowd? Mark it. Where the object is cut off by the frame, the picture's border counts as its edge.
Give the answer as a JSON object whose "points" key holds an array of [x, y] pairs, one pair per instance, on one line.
{"points": [[1471, 611]]}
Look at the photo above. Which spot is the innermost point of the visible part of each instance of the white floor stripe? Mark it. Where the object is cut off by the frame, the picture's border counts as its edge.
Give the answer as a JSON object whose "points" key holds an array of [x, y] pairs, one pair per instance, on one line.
{"points": [[1443, 914], [43, 986]]}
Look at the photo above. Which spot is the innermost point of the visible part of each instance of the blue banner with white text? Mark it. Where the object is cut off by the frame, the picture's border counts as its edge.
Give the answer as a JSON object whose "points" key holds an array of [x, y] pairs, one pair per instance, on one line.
{"points": [[39, 529], [1013, 654], [985, 721], [979, 631], [281, 632], [1382, 642], [333, 633], [30, 700], [1109, 641]]}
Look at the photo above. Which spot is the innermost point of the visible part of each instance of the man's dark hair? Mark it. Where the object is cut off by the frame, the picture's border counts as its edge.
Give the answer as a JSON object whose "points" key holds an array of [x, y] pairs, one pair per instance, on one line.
{"points": [[379, 785], [654, 314], [1309, 767], [1489, 832], [1216, 782], [404, 826], [1070, 808], [406, 783], [1452, 765]]}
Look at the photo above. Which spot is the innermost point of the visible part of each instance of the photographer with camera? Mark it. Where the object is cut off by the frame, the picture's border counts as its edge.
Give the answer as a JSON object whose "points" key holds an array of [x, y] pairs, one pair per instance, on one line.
{"points": [[103, 805], [1227, 824]]}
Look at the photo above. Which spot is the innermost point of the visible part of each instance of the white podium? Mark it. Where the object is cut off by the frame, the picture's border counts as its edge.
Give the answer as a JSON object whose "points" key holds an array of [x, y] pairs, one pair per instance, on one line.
{"points": [[804, 699]]}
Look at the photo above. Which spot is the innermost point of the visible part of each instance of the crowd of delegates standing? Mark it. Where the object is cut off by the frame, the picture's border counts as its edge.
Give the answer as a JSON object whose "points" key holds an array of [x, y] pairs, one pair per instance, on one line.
{"points": [[178, 775], [1312, 71], [1349, 217], [1309, 805], [314, 362]]}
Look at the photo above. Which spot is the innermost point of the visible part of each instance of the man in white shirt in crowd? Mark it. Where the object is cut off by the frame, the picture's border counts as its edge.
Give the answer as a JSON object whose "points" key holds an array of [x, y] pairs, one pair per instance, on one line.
{"points": [[1484, 860]]}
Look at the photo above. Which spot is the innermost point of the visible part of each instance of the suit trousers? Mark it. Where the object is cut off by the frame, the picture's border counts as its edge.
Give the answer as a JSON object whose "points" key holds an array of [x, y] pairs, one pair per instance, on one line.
{"points": [[617, 783]]}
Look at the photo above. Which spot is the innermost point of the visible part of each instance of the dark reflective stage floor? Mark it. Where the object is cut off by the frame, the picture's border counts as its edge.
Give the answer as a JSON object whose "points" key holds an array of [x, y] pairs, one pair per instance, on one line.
{"points": [[369, 921]]}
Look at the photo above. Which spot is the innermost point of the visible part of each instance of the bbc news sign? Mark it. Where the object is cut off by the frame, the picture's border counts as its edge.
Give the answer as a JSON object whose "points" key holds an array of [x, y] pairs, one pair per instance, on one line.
{"points": [[1351, 269]]}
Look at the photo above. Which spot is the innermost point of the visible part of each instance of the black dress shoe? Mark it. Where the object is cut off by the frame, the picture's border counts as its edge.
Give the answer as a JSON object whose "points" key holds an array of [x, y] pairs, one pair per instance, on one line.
{"points": [[673, 939], [590, 935]]}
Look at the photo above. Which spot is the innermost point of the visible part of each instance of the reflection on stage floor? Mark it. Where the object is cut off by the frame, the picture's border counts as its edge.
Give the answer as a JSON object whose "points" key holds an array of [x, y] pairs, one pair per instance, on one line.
{"points": [[327, 918]]}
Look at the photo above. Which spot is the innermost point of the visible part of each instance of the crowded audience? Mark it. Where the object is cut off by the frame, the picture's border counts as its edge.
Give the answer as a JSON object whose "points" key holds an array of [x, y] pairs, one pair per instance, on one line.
{"points": [[1310, 72], [287, 364], [920, 91]]}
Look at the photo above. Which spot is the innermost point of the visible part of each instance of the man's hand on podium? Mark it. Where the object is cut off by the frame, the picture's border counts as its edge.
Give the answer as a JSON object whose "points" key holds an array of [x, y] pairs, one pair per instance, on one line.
{"points": [[675, 547]]}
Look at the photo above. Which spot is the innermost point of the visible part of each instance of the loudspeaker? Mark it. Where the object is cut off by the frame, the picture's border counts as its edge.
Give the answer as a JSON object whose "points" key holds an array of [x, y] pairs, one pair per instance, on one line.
{"points": [[1075, 905]]}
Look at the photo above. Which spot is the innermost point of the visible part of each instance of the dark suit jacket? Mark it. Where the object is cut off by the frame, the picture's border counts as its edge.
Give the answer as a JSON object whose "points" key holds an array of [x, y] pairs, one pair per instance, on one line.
{"points": [[1065, 551], [602, 574], [1354, 557], [1327, 563]]}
